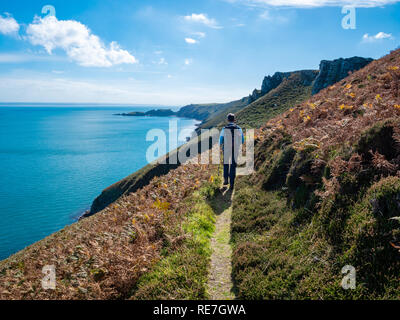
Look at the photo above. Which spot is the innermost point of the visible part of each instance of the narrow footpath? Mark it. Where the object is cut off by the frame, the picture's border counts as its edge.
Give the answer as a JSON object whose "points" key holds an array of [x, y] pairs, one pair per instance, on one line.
{"points": [[220, 285]]}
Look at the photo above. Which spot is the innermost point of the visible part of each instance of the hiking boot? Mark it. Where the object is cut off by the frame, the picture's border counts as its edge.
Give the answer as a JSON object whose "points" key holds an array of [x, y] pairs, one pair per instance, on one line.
{"points": [[225, 182]]}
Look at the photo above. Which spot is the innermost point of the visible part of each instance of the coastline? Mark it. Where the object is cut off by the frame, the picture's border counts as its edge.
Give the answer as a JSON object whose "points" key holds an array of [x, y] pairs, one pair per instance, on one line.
{"points": [[68, 207], [89, 212]]}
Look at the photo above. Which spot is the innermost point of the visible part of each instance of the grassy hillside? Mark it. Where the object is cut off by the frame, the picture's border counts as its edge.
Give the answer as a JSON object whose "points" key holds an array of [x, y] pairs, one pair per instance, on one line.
{"points": [[216, 118], [292, 91], [326, 193], [105, 255], [206, 112], [183, 270], [199, 111], [141, 178]]}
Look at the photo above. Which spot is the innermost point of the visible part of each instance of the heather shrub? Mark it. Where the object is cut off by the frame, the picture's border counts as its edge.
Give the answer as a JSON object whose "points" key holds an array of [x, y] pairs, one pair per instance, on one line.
{"points": [[300, 179], [373, 233], [275, 175], [379, 138]]}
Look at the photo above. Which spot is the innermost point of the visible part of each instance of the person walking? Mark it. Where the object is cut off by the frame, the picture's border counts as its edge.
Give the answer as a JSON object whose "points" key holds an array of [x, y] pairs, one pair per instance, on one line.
{"points": [[231, 139]]}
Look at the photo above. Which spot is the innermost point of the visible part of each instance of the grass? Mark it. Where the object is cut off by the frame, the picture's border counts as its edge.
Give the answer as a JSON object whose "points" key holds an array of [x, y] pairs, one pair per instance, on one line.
{"points": [[183, 272], [278, 254], [326, 193], [288, 94], [282, 260], [104, 256]]}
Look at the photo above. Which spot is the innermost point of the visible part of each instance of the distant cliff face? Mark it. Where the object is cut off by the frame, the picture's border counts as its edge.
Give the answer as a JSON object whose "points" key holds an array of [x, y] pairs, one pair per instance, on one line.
{"points": [[272, 82], [254, 96], [336, 70], [291, 91]]}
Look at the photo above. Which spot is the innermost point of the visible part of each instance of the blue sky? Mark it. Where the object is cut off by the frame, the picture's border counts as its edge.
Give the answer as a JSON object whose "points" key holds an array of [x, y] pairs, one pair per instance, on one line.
{"points": [[172, 52]]}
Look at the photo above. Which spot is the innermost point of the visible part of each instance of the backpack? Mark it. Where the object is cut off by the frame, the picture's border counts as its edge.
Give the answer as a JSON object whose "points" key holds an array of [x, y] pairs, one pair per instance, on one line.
{"points": [[233, 130]]}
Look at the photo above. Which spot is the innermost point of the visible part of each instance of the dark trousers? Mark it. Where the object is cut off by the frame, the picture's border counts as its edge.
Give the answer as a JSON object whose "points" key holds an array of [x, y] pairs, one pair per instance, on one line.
{"points": [[230, 172]]}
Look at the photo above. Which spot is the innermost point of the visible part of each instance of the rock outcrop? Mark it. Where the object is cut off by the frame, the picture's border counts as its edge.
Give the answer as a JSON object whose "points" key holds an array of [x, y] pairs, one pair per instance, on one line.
{"points": [[271, 82], [336, 70], [254, 96]]}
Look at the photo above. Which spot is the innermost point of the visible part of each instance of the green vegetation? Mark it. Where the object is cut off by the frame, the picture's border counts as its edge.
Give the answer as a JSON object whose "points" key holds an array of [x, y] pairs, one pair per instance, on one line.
{"points": [[326, 194], [292, 235], [288, 94], [218, 118], [141, 178], [183, 271], [104, 256], [200, 111]]}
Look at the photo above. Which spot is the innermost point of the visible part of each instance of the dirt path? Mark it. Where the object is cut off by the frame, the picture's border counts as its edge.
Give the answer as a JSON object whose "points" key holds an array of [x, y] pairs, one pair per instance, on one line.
{"points": [[220, 282]]}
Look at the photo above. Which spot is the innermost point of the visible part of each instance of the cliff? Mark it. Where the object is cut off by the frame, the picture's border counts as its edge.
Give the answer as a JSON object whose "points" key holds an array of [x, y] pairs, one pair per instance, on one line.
{"points": [[291, 89], [213, 114], [325, 194], [278, 93], [269, 84], [331, 72]]}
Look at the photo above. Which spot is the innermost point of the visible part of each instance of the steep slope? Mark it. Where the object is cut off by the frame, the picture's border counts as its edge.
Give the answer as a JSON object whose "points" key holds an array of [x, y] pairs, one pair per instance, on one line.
{"points": [[269, 83], [223, 109], [105, 256], [278, 93], [325, 195], [331, 72], [213, 115], [207, 112], [293, 90], [199, 111], [218, 117]]}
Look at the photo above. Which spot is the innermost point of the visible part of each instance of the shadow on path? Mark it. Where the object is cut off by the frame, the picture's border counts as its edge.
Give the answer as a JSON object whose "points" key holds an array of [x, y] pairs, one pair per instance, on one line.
{"points": [[222, 201]]}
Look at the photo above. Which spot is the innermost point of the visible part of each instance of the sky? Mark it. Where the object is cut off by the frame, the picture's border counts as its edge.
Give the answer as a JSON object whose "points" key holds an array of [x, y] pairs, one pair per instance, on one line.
{"points": [[177, 52]]}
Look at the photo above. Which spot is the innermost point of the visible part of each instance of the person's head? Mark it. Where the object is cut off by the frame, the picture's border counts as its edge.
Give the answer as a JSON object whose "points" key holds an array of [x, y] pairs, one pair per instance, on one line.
{"points": [[231, 117]]}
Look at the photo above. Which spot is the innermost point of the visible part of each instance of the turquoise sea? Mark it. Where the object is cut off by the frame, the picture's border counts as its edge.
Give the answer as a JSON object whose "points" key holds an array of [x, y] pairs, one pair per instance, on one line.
{"points": [[55, 159]]}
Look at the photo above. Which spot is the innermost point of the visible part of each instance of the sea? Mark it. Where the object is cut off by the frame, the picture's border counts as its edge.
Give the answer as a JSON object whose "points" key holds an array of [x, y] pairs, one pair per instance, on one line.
{"points": [[55, 159]]}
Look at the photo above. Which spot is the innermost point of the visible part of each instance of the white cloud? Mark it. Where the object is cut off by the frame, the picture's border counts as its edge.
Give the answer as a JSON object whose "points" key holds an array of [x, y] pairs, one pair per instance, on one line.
{"points": [[77, 41], [190, 40], [203, 19], [8, 25], [378, 36], [317, 3], [188, 62], [200, 35]]}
